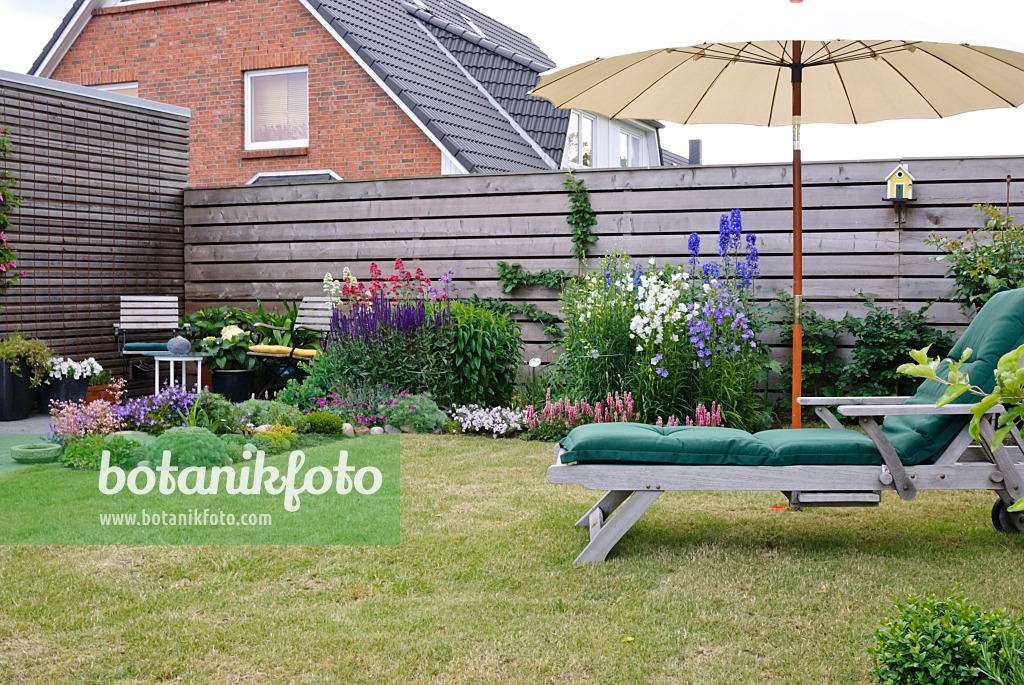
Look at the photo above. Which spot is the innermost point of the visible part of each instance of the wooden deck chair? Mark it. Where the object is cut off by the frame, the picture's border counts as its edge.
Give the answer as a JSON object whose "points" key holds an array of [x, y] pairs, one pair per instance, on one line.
{"points": [[150, 321], [280, 362], [917, 447]]}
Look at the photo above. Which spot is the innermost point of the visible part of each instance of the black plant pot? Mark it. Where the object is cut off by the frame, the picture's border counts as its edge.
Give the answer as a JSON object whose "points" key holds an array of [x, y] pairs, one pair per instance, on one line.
{"points": [[68, 389], [237, 386], [15, 394]]}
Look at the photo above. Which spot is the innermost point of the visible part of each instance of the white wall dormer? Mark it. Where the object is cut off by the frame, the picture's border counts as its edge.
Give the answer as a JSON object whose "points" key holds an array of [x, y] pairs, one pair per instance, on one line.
{"points": [[597, 142]]}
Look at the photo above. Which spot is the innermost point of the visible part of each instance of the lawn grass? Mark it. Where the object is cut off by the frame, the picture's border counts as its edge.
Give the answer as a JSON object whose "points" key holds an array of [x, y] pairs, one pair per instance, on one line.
{"points": [[707, 588]]}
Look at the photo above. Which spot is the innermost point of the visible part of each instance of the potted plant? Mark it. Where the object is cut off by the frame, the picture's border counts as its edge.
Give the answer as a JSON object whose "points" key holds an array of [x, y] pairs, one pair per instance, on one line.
{"points": [[100, 387], [232, 367], [23, 366], [68, 380]]}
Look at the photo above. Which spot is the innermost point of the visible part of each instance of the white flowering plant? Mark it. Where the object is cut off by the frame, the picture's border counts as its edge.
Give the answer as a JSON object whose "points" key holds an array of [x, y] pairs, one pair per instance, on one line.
{"points": [[675, 335], [497, 421], [64, 367], [229, 350]]}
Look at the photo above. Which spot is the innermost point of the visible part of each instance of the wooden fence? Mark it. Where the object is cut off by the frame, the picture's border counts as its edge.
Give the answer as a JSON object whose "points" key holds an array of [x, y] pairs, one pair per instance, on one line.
{"points": [[100, 178], [274, 242]]}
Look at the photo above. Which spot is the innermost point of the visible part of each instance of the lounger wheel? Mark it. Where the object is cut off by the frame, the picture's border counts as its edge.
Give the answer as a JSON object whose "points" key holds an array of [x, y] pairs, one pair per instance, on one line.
{"points": [[1005, 521]]}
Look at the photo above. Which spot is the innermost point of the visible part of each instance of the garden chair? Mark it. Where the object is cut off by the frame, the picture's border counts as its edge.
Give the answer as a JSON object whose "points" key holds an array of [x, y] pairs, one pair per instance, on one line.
{"points": [[280, 362], [917, 447], [143, 318]]}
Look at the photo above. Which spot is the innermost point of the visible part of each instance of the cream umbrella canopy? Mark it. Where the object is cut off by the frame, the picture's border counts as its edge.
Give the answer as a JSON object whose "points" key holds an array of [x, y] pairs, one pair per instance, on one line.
{"points": [[793, 82]]}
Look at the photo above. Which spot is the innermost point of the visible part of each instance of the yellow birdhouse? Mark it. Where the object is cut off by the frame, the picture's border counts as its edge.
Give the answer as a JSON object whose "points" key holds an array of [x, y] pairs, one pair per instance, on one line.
{"points": [[899, 185]]}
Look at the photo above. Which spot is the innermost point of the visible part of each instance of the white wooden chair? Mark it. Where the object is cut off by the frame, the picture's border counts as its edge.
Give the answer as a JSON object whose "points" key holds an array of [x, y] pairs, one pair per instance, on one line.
{"points": [[150, 320]]}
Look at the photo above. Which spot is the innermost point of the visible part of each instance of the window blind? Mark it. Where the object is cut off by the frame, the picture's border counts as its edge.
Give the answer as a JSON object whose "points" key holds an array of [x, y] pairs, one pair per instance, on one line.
{"points": [[279, 107]]}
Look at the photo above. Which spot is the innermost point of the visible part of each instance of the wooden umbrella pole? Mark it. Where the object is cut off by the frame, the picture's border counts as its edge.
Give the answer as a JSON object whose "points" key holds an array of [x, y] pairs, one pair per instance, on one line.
{"points": [[798, 246]]}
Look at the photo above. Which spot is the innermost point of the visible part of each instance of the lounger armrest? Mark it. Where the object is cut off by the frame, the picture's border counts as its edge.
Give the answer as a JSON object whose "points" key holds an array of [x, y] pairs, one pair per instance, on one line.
{"points": [[912, 409], [822, 401]]}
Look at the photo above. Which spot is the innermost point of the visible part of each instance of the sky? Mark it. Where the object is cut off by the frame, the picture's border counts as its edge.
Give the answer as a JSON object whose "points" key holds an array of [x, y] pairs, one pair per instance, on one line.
{"points": [[573, 31]]}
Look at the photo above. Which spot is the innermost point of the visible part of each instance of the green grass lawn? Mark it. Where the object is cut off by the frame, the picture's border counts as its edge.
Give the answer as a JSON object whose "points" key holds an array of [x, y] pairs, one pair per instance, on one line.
{"points": [[706, 588]]}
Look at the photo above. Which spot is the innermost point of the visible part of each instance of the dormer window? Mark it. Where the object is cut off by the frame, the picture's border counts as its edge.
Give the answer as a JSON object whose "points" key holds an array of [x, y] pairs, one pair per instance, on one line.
{"points": [[277, 108], [579, 144], [630, 150]]}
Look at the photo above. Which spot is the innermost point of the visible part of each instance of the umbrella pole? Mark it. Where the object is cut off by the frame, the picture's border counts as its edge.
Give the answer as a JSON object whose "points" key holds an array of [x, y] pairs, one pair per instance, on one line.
{"points": [[798, 247]]}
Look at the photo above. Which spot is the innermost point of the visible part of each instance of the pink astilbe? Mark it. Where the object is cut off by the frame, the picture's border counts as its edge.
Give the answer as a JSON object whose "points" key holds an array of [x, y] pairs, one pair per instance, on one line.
{"points": [[613, 409], [71, 419], [706, 418], [672, 421]]}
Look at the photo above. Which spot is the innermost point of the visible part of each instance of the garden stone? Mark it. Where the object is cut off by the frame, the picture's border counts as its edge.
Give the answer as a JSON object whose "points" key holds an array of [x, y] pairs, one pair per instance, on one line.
{"points": [[265, 428], [347, 429], [392, 430], [362, 430], [406, 428], [35, 453], [376, 430]]}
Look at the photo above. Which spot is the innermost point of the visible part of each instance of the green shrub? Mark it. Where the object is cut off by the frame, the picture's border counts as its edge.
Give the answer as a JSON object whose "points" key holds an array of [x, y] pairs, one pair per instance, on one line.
{"points": [[325, 423], [87, 453], [985, 260], [188, 447], [418, 413], [1004, 663], [217, 413], [277, 439], [273, 413], [884, 337], [937, 641], [485, 353]]}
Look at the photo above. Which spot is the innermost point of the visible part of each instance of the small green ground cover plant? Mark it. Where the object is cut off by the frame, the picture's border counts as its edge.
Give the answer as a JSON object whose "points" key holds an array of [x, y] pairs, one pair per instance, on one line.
{"points": [[942, 641]]}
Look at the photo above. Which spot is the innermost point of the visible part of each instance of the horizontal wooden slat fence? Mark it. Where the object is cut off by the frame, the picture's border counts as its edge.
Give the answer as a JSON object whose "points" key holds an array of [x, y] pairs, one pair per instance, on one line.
{"points": [[274, 242], [101, 180]]}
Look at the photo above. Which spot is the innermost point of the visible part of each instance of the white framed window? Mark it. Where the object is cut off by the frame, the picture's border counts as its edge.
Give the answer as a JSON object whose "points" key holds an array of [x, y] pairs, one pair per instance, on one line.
{"points": [[277, 108], [130, 89], [579, 143], [630, 149]]}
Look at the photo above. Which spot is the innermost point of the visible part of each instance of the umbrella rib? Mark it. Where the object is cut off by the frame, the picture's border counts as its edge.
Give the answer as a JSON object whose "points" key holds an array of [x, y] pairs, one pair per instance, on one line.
{"points": [[973, 80], [655, 82], [775, 91], [842, 82], [911, 84]]}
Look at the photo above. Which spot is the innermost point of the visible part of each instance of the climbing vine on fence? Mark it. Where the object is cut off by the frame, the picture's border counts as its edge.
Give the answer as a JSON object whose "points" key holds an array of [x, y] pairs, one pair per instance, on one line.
{"points": [[581, 218]]}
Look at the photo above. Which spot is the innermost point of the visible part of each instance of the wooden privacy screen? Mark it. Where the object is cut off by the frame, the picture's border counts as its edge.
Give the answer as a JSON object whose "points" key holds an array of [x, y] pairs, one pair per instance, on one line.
{"points": [[275, 242], [100, 179]]}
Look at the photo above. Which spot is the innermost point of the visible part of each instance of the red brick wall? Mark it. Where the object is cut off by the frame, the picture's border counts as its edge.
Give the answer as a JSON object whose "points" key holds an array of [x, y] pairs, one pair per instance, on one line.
{"points": [[193, 54]]}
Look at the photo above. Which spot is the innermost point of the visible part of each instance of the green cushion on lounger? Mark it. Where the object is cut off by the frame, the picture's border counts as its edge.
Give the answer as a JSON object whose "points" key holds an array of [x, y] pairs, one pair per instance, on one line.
{"points": [[801, 446], [145, 347], [997, 329], [641, 443]]}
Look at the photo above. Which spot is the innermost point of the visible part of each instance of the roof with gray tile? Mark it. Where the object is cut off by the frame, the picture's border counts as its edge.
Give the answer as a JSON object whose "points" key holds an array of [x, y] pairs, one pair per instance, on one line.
{"points": [[669, 158]]}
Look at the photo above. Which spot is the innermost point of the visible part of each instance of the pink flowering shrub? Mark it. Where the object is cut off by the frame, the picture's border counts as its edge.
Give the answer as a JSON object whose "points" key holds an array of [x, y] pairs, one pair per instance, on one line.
{"points": [[557, 418], [72, 420], [703, 417]]}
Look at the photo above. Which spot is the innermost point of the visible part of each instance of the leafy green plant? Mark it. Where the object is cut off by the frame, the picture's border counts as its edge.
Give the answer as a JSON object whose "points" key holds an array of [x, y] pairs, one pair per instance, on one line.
{"points": [[273, 413], [485, 353], [822, 366], [526, 309], [8, 201], [87, 452], [325, 423], [101, 378], [937, 641], [1003, 663], [582, 216], [188, 447], [33, 354], [984, 260], [1008, 390], [286, 319], [229, 349], [416, 413], [209, 322], [217, 413], [882, 336], [512, 276]]}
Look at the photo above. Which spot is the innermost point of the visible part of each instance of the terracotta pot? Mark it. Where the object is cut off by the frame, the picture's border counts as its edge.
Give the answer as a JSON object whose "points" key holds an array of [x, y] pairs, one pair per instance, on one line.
{"points": [[99, 392]]}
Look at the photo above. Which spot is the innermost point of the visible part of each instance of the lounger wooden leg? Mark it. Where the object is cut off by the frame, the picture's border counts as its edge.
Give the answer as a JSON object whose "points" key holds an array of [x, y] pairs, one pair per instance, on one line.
{"points": [[604, 535], [607, 504]]}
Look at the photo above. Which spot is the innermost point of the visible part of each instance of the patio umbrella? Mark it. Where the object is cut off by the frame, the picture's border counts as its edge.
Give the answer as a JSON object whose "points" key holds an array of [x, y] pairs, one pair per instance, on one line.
{"points": [[793, 82]]}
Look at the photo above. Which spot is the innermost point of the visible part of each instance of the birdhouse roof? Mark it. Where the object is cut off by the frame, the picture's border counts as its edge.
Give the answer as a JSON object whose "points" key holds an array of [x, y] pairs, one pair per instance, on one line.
{"points": [[898, 168]]}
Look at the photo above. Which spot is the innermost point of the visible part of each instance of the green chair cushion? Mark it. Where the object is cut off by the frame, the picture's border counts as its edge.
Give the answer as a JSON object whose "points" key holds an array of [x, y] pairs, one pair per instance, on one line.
{"points": [[820, 446], [997, 329], [145, 347], [645, 444]]}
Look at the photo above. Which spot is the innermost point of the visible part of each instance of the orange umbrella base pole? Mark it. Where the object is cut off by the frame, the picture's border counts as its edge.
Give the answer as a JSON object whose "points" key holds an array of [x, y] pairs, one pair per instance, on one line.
{"points": [[798, 347]]}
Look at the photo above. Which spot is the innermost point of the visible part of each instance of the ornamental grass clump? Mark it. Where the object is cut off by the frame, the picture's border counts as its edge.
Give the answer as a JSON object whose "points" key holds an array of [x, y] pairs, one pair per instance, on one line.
{"points": [[675, 336]]}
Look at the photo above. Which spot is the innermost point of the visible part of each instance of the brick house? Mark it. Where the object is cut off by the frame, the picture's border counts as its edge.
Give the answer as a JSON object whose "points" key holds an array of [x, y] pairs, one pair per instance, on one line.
{"points": [[339, 88]]}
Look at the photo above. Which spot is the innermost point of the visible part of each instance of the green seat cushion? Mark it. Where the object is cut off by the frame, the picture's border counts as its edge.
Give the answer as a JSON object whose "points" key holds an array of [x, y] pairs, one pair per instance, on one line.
{"points": [[145, 347], [645, 444], [997, 329], [802, 446]]}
